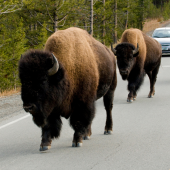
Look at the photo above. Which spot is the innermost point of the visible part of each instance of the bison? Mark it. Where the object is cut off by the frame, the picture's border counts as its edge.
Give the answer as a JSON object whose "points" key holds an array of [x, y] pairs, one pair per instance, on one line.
{"points": [[137, 55], [64, 80]]}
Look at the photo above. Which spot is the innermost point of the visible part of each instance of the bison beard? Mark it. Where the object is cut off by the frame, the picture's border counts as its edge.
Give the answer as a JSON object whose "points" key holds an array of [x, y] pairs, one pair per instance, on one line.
{"points": [[134, 63], [64, 81]]}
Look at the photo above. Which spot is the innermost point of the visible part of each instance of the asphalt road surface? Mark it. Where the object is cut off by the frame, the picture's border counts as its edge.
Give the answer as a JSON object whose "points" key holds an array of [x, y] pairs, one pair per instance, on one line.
{"points": [[140, 141]]}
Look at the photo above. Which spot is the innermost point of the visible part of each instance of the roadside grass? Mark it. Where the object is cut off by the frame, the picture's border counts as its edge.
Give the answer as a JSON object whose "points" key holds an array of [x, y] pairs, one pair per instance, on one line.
{"points": [[152, 24], [10, 92]]}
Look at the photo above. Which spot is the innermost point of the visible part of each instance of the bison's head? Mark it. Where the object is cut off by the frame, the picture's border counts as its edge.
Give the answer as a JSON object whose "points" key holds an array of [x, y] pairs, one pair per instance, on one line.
{"points": [[40, 74], [126, 54]]}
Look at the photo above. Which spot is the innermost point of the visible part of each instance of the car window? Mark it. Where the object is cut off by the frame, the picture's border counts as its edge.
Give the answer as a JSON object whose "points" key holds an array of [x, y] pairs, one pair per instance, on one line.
{"points": [[161, 34]]}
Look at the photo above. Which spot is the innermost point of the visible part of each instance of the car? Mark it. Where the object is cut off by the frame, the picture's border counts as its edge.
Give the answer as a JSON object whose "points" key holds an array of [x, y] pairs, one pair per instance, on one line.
{"points": [[162, 35]]}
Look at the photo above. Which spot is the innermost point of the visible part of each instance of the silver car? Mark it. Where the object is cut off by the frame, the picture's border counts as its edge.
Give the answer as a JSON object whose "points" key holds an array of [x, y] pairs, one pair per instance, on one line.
{"points": [[162, 35]]}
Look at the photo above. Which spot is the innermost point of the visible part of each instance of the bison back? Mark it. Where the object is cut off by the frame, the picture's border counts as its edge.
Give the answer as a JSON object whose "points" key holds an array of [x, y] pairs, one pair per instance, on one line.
{"points": [[73, 48]]}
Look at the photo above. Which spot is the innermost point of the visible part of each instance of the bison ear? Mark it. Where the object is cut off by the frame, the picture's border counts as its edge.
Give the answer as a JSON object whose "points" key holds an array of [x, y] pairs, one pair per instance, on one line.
{"points": [[113, 49], [55, 66]]}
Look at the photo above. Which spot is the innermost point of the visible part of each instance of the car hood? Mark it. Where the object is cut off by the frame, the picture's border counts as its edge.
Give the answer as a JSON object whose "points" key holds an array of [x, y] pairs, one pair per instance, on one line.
{"points": [[163, 40]]}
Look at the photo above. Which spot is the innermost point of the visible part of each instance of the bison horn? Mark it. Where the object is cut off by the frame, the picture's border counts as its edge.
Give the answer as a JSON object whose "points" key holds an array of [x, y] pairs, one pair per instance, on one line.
{"points": [[55, 67], [136, 49], [113, 49]]}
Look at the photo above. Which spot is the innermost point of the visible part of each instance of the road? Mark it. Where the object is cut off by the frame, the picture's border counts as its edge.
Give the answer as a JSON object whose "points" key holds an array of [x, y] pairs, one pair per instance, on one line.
{"points": [[140, 141]]}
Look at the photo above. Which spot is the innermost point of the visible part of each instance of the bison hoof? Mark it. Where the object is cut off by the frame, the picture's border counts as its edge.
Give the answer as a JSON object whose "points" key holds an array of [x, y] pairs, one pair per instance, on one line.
{"points": [[150, 96], [86, 137], [130, 100], [44, 148], [108, 132], [77, 144]]}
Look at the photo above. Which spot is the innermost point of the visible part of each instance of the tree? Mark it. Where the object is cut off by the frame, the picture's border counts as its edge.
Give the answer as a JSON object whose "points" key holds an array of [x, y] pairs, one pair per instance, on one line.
{"points": [[51, 12], [12, 46]]}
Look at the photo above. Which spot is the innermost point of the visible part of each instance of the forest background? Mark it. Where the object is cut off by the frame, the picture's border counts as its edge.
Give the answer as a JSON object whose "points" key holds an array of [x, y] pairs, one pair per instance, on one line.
{"points": [[26, 24]]}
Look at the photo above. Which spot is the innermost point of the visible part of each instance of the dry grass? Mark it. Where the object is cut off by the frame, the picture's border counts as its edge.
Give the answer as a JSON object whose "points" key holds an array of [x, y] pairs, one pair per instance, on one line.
{"points": [[153, 24], [10, 92]]}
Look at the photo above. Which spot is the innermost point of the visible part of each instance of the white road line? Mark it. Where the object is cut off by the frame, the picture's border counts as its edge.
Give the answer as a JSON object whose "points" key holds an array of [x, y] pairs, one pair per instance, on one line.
{"points": [[165, 66], [1, 127]]}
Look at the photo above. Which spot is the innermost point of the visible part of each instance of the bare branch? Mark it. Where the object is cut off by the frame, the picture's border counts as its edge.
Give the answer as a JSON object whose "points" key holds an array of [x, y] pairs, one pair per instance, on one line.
{"points": [[40, 22], [48, 11], [1, 45], [61, 19], [60, 6], [63, 24], [95, 2], [50, 15], [11, 8], [45, 28], [30, 41]]}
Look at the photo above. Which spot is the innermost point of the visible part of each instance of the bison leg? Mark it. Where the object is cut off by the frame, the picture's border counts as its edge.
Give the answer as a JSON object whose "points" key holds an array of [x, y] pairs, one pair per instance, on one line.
{"points": [[132, 92], [88, 133], [108, 103], [152, 77], [134, 95], [46, 139], [134, 85], [152, 90], [50, 131], [81, 120]]}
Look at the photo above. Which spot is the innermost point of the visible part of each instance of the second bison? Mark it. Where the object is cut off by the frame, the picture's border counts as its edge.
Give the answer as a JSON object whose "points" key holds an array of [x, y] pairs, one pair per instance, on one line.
{"points": [[64, 80], [138, 54]]}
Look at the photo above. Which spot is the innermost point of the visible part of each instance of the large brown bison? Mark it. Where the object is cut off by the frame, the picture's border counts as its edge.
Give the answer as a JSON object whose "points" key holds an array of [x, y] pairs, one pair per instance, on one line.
{"points": [[64, 80], [137, 55]]}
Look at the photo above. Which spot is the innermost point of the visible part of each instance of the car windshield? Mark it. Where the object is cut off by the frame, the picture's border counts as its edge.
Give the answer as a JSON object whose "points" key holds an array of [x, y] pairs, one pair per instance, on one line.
{"points": [[161, 33]]}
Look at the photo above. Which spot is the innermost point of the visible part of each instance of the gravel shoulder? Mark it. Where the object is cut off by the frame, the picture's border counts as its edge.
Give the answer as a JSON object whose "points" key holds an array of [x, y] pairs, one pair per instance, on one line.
{"points": [[10, 106]]}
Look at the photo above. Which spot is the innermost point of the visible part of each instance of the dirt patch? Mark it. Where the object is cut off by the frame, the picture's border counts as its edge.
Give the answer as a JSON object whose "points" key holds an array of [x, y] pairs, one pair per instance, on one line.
{"points": [[151, 25]]}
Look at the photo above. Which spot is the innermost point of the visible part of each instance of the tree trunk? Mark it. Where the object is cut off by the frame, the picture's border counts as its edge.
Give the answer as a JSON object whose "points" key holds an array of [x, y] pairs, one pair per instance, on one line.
{"points": [[115, 22], [126, 22], [85, 25], [142, 14], [91, 17], [104, 32], [161, 6], [55, 20]]}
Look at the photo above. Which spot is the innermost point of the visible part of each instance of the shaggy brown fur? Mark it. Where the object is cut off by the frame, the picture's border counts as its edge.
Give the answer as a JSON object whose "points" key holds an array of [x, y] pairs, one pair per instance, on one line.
{"points": [[87, 71], [147, 60]]}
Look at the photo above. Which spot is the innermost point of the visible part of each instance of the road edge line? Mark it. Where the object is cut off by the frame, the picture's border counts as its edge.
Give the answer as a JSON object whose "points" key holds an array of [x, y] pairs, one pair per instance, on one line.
{"points": [[10, 123]]}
